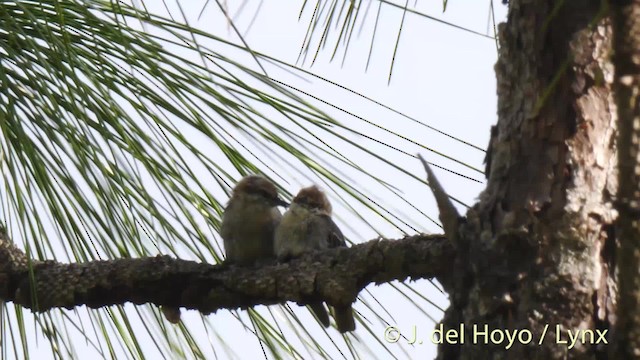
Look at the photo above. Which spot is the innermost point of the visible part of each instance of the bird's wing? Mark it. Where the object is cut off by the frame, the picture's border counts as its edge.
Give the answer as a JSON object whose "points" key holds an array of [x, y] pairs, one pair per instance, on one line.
{"points": [[324, 226], [226, 234]]}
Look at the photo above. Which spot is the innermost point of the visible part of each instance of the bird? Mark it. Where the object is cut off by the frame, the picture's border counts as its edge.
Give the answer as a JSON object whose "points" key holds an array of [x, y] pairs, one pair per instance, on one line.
{"points": [[250, 220], [307, 226], [248, 225]]}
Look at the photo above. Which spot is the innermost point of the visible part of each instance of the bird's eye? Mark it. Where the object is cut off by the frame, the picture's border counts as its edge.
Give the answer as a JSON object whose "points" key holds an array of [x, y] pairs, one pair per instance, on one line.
{"points": [[265, 194]]}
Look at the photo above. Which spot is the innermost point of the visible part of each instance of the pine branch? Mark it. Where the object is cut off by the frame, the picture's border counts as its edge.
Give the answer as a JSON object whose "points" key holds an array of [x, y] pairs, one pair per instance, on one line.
{"points": [[335, 276]]}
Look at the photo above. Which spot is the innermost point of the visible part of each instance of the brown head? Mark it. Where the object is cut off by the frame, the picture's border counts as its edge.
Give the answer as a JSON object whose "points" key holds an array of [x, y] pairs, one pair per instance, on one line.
{"points": [[259, 186], [313, 198]]}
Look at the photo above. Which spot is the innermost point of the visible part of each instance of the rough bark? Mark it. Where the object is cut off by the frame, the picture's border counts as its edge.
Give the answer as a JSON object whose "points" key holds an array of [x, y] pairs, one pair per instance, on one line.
{"points": [[335, 276], [540, 253], [626, 49]]}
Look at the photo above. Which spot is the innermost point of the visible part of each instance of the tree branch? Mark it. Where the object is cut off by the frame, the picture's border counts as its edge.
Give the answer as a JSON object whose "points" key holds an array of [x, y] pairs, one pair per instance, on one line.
{"points": [[448, 213], [335, 276]]}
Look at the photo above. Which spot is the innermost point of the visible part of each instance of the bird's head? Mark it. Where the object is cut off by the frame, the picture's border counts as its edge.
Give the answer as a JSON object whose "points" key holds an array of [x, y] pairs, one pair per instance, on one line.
{"points": [[258, 186], [313, 198]]}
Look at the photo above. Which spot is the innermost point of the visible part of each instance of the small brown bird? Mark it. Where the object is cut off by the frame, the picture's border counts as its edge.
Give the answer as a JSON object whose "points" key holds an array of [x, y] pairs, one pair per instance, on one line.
{"points": [[307, 226], [250, 220], [248, 226]]}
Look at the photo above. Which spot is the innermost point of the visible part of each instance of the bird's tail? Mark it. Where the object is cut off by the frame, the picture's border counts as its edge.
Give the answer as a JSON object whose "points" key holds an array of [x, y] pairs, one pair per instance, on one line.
{"points": [[344, 318], [320, 312], [172, 314]]}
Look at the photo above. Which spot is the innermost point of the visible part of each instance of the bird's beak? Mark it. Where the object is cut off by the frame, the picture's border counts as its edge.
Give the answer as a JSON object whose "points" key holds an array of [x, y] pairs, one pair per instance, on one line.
{"points": [[281, 202]]}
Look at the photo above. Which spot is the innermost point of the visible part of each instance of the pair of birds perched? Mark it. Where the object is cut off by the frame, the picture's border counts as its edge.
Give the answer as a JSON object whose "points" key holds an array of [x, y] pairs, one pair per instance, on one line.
{"points": [[253, 229]]}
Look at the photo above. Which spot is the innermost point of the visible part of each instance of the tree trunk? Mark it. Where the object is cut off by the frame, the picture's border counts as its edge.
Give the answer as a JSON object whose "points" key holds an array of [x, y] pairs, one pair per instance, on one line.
{"points": [[626, 59], [537, 251]]}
